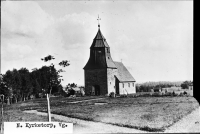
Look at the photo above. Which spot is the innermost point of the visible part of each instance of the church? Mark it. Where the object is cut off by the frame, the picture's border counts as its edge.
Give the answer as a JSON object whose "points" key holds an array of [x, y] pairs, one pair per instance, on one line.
{"points": [[102, 75]]}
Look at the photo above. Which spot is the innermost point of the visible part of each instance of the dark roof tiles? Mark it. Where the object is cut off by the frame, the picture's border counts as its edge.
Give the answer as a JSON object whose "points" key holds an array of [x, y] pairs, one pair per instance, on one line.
{"points": [[99, 40]]}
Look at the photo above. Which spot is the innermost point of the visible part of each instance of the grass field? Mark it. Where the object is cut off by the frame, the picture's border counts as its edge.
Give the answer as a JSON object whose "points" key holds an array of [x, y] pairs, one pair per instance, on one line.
{"points": [[145, 113]]}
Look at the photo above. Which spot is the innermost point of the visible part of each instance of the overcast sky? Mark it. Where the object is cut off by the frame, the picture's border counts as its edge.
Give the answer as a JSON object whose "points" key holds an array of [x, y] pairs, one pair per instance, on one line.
{"points": [[154, 39]]}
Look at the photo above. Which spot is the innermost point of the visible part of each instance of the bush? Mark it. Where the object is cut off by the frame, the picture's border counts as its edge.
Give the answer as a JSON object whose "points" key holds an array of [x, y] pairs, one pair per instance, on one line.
{"points": [[184, 94], [181, 94], [174, 94], [112, 94]]}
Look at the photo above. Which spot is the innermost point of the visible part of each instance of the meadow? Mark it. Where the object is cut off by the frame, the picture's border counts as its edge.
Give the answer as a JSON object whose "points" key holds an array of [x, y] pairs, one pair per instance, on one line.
{"points": [[144, 113]]}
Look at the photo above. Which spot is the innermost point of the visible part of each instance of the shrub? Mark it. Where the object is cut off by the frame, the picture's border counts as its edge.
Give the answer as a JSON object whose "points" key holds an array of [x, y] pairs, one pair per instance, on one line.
{"points": [[184, 93], [174, 94], [112, 94], [181, 94]]}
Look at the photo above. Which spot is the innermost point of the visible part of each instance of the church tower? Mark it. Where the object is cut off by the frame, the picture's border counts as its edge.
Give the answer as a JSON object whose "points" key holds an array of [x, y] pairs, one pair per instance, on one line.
{"points": [[98, 66]]}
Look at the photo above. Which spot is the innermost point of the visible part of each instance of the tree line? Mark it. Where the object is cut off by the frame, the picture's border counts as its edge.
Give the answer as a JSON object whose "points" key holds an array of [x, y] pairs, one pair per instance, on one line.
{"points": [[147, 86], [19, 85]]}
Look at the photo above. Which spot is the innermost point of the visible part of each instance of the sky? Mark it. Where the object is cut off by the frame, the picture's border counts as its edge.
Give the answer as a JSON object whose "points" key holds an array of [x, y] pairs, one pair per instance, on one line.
{"points": [[153, 39]]}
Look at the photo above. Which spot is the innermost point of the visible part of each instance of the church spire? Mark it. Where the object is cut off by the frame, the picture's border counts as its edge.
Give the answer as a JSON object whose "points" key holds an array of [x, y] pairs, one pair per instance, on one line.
{"points": [[98, 21]]}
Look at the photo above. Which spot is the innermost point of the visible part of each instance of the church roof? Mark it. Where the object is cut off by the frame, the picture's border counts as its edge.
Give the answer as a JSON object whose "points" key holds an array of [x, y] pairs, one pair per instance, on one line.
{"points": [[110, 63], [99, 40], [104, 63], [123, 74]]}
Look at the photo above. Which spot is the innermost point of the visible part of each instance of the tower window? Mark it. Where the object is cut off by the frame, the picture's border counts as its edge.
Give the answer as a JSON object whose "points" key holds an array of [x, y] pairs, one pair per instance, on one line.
{"points": [[107, 50]]}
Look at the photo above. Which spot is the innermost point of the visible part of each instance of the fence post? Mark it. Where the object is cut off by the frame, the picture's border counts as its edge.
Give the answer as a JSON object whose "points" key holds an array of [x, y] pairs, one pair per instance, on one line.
{"points": [[48, 108], [2, 99]]}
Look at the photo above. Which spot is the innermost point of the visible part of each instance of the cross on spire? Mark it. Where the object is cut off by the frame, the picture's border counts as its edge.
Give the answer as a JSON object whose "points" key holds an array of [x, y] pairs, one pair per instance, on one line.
{"points": [[98, 21]]}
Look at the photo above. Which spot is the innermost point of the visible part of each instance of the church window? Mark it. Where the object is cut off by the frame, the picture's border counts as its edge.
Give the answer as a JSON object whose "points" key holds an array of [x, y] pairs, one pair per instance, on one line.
{"points": [[99, 51], [133, 84], [123, 85], [128, 84], [108, 57], [110, 82]]}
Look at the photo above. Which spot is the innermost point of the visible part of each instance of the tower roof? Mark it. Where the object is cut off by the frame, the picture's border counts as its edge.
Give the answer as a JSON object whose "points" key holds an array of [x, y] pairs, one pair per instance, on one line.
{"points": [[97, 60], [99, 40]]}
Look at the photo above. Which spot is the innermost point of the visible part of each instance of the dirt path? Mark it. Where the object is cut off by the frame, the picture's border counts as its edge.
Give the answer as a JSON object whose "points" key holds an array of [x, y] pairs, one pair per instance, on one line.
{"points": [[188, 124], [82, 126]]}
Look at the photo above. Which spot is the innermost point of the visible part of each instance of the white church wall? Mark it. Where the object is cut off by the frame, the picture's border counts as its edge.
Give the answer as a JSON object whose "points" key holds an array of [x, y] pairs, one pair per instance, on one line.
{"points": [[111, 80], [127, 88]]}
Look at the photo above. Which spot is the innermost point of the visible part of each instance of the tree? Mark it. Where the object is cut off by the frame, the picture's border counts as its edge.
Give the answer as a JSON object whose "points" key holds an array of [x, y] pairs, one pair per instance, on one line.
{"points": [[6, 84], [53, 78], [71, 85], [4, 89], [36, 82], [185, 84], [7, 79], [69, 89], [26, 84], [16, 85]]}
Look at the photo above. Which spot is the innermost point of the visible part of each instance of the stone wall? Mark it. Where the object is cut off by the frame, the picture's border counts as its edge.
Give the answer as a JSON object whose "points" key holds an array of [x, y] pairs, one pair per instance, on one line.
{"points": [[96, 77], [111, 79]]}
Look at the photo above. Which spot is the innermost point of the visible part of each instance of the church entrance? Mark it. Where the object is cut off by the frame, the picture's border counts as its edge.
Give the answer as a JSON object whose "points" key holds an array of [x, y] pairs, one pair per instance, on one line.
{"points": [[95, 90], [116, 86]]}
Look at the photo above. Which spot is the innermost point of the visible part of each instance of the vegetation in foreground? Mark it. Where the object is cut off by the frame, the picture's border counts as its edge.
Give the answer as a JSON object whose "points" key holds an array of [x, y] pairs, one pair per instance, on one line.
{"points": [[144, 113]]}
